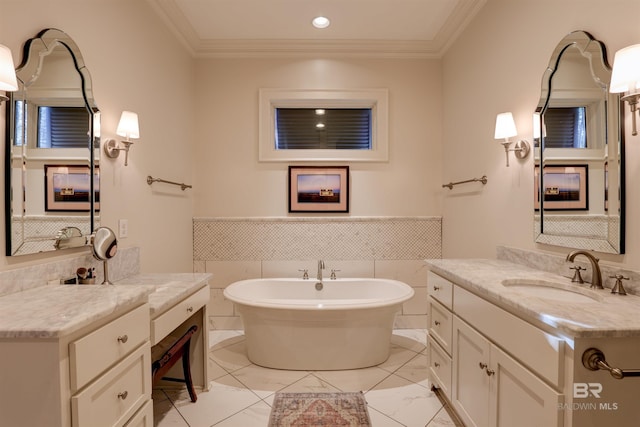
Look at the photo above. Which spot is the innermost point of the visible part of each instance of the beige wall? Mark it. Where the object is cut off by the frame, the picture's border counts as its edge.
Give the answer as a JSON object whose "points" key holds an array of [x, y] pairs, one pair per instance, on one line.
{"points": [[441, 122], [136, 64], [495, 66], [233, 183]]}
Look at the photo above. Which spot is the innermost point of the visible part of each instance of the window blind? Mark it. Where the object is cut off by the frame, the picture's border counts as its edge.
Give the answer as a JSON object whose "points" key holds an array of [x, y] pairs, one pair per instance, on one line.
{"points": [[63, 127], [565, 127], [329, 128]]}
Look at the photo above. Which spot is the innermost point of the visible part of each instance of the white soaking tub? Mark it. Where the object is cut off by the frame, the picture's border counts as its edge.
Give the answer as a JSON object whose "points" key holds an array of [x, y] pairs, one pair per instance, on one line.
{"points": [[288, 324]]}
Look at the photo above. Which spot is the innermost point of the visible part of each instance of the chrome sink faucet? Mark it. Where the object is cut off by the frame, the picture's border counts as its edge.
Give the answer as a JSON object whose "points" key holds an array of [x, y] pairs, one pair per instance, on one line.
{"points": [[596, 274]]}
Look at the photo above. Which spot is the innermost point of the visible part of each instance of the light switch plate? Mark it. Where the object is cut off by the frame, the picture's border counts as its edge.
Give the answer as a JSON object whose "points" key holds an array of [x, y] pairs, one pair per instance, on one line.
{"points": [[123, 228]]}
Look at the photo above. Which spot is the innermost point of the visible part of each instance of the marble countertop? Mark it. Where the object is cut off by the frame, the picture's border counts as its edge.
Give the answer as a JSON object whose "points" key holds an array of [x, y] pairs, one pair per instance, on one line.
{"points": [[603, 315], [167, 288], [58, 310]]}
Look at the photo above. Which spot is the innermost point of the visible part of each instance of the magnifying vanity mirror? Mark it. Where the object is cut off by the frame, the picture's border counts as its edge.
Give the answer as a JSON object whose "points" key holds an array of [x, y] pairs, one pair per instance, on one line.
{"points": [[104, 247], [579, 151], [51, 162]]}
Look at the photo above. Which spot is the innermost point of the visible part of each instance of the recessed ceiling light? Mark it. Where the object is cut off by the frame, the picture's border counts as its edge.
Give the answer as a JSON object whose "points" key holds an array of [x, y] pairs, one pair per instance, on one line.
{"points": [[321, 22]]}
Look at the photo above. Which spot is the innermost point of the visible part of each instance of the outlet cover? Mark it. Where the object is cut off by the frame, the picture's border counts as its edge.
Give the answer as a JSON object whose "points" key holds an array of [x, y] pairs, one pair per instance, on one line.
{"points": [[123, 228]]}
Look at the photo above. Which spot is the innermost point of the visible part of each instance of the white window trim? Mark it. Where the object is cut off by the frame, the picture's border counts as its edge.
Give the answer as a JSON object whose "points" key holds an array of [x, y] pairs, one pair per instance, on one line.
{"points": [[376, 99]]}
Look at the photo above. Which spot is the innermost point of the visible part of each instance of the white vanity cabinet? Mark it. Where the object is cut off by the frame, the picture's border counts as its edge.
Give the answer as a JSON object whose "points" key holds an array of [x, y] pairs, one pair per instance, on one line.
{"points": [[493, 367], [96, 375], [490, 388], [440, 332]]}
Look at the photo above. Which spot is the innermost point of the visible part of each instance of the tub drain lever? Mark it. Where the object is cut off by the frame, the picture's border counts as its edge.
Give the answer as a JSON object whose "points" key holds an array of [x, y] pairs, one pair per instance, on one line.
{"points": [[593, 359]]}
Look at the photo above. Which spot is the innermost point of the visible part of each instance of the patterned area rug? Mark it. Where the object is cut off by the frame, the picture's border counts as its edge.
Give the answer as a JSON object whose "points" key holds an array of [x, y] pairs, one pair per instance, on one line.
{"points": [[319, 410]]}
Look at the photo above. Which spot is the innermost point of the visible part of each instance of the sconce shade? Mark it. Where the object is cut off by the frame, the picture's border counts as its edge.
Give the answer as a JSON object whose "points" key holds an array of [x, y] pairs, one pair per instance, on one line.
{"points": [[96, 124], [625, 76], [505, 126], [128, 125], [8, 81], [536, 125]]}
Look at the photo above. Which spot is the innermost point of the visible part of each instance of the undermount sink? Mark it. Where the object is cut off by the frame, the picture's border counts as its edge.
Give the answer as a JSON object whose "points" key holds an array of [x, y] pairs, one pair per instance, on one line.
{"points": [[556, 291]]}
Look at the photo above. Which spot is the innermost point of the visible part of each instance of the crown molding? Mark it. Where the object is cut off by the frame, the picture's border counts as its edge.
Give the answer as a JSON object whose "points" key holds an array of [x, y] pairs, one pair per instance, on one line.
{"points": [[177, 22], [174, 18], [315, 48]]}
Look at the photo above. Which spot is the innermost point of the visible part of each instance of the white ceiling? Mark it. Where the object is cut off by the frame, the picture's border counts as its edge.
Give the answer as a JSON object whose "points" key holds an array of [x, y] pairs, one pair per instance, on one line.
{"points": [[386, 28]]}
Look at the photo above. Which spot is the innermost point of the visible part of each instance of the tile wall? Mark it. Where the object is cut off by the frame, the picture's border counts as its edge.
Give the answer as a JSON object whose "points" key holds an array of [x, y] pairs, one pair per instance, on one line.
{"points": [[126, 263], [385, 247]]}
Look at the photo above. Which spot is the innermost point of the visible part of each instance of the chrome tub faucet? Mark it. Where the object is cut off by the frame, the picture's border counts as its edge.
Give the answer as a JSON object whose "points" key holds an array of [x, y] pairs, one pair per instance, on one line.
{"points": [[319, 284], [320, 268]]}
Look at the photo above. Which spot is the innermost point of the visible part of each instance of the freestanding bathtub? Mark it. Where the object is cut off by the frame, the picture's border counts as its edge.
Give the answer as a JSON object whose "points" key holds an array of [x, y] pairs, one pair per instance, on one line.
{"points": [[288, 324]]}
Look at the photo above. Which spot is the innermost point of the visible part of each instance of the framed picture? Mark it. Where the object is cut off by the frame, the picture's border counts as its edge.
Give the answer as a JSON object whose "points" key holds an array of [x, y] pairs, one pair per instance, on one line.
{"points": [[566, 187], [318, 188], [67, 188]]}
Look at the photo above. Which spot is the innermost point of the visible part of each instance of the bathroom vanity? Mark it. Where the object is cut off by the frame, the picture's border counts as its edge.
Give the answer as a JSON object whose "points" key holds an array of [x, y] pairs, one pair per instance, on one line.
{"points": [[506, 345], [81, 355], [177, 302]]}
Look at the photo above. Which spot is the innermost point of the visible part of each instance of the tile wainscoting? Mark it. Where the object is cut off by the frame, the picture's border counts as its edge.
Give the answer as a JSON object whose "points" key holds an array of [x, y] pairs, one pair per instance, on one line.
{"points": [[126, 263], [384, 247]]}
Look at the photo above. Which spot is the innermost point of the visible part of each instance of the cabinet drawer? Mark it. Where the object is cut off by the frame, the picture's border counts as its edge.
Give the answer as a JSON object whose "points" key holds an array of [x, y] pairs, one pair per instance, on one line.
{"points": [[441, 289], [440, 324], [172, 318], [536, 349], [115, 397], [142, 418], [440, 368], [96, 352]]}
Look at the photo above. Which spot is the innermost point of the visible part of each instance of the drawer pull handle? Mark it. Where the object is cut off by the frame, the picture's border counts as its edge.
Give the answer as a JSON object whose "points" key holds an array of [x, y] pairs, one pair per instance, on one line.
{"points": [[123, 395], [123, 339], [190, 309], [436, 364], [483, 365], [436, 288], [437, 323], [490, 372]]}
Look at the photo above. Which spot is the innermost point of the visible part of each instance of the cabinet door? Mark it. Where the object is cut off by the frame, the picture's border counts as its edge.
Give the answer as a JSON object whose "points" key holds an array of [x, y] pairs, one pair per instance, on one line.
{"points": [[518, 397], [440, 324], [470, 388], [440, 368]]}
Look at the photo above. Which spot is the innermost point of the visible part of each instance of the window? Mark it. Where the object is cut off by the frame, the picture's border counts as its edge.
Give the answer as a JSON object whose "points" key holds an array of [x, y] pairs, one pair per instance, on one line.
{"points": [[323, 128], [20, 125], [307, 125], [63, 127], [56, 127], [566, 127]]}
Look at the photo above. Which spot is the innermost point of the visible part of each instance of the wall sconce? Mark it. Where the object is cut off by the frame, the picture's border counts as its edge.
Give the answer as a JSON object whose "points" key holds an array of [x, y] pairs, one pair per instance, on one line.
{"points": [[625, 77], [506, 128], [8, 81], [128, 128], [537, 129]]}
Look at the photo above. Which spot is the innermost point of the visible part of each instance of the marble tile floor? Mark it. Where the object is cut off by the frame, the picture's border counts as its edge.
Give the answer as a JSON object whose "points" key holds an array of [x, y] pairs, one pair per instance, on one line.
{"points": [[241, 393]]}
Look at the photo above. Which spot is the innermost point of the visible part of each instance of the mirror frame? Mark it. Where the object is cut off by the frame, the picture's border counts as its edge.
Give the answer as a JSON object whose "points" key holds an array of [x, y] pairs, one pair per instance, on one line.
{"points": [[33, 54], [595, 51]]}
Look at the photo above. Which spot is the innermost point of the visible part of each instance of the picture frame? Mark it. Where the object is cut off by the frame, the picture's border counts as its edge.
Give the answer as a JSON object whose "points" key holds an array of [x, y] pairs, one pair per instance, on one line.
{"points": [[566, 187], [319, 189], [67, 188]]}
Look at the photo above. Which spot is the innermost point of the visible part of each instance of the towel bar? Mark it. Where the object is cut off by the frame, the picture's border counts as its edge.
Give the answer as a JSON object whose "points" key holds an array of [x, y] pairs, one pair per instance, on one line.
{"points": [[450, 185], [151, 180]]}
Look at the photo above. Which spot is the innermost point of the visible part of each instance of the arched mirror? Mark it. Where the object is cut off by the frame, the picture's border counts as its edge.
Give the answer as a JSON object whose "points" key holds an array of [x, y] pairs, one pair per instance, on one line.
{"points": [[52, 173], [579, 150]]}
